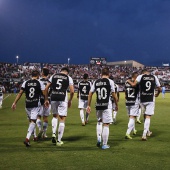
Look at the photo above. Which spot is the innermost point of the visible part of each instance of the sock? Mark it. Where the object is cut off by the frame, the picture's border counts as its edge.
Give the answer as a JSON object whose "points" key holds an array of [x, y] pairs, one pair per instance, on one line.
{"points": [[87, 117], [54, 123], [99, 131], [30, 130], [130, 125], [45, 125], [138, 117], [114, 114], [38, 122], [61, 131], [146, 126], [82, 115], [34, 132], [105, 135]]}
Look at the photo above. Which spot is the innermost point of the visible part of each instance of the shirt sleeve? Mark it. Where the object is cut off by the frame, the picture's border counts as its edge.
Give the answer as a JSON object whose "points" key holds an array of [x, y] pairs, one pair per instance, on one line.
{"points": [[70, 81], [42, 85], [92, 88], [138, 79], [23, 86], [112, 86], [157, 82]]}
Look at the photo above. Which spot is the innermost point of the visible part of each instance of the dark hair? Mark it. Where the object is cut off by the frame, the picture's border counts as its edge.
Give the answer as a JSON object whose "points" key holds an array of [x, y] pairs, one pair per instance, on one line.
{"points": [[85, 76], [105, 71], [35, 73], [144, 71], [111, 77], [65, 69], [45, 71], [134, 74]]}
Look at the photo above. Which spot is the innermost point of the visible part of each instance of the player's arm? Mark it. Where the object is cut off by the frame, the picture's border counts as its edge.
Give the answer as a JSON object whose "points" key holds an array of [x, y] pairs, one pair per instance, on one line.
{"points": [[71, 95], [115, 100], [16, 99], [88, 109], [46, 102], [133, 84], [159, 89]]}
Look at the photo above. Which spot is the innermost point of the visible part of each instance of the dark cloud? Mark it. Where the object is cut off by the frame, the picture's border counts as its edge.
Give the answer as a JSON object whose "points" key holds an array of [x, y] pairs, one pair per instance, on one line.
{"points": [[54, 30]]}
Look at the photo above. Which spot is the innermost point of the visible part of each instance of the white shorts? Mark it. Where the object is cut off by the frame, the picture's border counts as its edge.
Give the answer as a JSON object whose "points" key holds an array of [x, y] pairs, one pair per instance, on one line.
{"points": [[59, 107], [44, 111], [105, 115], [32, 113], [149, 108], [1, 98], [82, 104], [133, 110]]}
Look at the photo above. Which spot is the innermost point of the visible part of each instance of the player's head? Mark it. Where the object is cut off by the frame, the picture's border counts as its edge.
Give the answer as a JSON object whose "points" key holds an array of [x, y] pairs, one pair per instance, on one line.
{"points": [[105, 71], [35, 73], [65, 70], [145, 71], [111, 77], [45, 71], [85, 76], [134, 75]]}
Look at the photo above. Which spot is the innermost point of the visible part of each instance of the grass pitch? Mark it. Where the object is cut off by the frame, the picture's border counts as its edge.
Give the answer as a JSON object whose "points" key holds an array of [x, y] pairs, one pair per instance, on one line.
{"points": [[79, 151]]}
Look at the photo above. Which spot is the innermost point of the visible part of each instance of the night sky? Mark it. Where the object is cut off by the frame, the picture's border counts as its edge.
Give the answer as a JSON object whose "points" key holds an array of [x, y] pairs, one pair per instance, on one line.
{"points": [[51, 31]]}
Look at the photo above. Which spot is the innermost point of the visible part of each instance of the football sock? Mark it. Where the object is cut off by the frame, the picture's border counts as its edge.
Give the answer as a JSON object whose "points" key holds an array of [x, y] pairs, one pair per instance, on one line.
{"points": [[30, 130], [105, 134], [99, 130], [138, 117], [146, 126], [38, 122], [45, 125], [54, 123], [130, 125], [82, 115], [61, 130], [87, 116], [34, 132], [114, 114]]}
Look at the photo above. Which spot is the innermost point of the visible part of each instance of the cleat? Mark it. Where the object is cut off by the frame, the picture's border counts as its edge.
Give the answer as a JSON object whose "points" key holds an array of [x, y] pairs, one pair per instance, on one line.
{"points": [[128, 136], [45, 136], [60, 143], [144, 138], [40, 134], [105, 147], [134, 132], [98, 144], [35, 139], [27, 143], [149, 133], [138, 121], [86, 122], [83, 124], [54, 139]]}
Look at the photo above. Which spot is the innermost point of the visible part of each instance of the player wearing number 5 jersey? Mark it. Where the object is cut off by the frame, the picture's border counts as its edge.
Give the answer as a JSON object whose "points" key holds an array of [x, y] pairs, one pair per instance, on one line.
{"points": [[59, 83], [33, 89], [103, 88], [82, 94], [147, 84]]}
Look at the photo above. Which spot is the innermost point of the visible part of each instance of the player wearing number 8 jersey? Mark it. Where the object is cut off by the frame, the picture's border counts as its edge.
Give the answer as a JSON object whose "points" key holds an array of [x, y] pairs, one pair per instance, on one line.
{"points": [[82, 94], [59, 83], [147, 84], [33, 89], [103, 88]]}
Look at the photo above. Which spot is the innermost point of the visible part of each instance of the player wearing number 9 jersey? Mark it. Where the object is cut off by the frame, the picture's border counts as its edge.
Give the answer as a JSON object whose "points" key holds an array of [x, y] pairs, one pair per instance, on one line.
{"points": [[103, 87], [59, 83], [147, 84], [33, 89]]}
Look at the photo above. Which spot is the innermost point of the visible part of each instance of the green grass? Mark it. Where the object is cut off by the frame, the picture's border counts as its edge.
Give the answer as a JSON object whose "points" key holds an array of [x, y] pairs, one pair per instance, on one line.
{"points": [[79, 151]]}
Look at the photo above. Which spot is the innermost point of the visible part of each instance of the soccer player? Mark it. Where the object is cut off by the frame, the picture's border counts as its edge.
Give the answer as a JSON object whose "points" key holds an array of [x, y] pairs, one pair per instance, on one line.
{"points": [[103, 88], [82, 94], [132, 105], [2, 91], [44, 112], [33, 89], [147, 84], [163, 91], [59, 83]]}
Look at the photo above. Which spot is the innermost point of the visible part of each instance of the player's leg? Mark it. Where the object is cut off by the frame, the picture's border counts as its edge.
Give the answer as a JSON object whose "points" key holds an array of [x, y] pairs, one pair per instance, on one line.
{"points": [[130, 127], [81, 107], [99, 127]]}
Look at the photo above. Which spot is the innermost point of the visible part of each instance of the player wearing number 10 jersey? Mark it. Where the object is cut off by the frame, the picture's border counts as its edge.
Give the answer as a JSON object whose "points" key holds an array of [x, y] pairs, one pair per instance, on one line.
{"points": [[147, 84], [103, 88], [33, 89]]}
